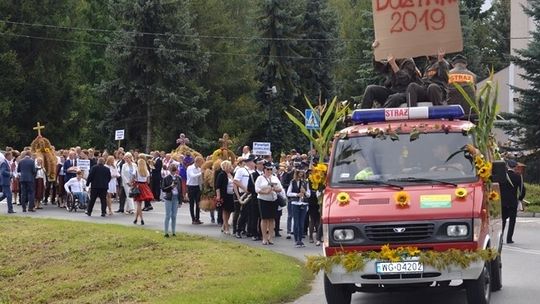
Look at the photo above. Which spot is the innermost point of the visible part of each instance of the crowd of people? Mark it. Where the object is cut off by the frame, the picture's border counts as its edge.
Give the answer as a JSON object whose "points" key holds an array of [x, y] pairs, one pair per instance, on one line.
{"points": [[249, 193]]}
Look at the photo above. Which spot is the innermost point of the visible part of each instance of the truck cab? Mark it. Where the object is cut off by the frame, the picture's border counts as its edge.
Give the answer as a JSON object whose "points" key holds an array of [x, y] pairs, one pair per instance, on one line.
{"points": [[420, 152]]}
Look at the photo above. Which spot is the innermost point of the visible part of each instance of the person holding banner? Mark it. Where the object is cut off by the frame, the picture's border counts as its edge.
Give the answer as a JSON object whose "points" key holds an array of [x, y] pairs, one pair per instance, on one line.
{"points": [[435, 83], [398, 78]]}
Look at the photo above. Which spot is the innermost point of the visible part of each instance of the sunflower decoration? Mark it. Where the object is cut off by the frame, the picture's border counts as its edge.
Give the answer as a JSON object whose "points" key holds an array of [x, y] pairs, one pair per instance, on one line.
{"points": [[478, 161], [485, 172], [318, 176], [402, 199], [461, 193], [343, 198], [494, 196]]}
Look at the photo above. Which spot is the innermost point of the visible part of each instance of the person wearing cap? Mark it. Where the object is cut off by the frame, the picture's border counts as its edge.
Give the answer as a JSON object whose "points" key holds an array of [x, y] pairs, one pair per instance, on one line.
{"points": [[461, 75], [254, 214], [267, 187], [298, 193], [512, 191]]}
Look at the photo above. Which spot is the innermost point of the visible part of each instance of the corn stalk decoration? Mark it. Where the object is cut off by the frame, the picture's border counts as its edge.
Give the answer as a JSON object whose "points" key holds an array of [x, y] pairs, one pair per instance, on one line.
{"points": [[330, 115], [485, 106]]}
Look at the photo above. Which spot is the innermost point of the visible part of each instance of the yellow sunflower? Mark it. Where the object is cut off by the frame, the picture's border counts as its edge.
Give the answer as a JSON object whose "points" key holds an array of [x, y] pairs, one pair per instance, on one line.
{"points": [[478, 161], [402, 198], [316, 177], [461, 193], [321, 167], [484, 172], [413, 251], [494, 196], [343, 198]]}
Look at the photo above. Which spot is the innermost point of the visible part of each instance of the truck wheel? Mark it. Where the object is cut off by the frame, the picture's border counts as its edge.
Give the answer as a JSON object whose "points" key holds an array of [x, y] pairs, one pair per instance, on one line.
{"points": [[496, 274], [336, 293], [479, 290]]}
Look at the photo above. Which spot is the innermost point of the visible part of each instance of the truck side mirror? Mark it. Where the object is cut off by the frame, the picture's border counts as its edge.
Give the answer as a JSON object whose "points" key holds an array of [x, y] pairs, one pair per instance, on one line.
{"points": [[498, 171]]}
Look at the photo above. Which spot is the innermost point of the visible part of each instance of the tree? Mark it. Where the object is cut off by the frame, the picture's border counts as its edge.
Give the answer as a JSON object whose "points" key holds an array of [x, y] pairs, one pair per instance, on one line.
{"points": [[278, 66], [528, 113], [158, 63], [499, 24], [319, 30]]}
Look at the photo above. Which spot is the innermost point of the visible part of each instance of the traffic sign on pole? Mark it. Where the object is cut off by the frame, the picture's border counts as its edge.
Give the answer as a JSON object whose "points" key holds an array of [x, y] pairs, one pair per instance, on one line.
{"points": [[312, 121]]}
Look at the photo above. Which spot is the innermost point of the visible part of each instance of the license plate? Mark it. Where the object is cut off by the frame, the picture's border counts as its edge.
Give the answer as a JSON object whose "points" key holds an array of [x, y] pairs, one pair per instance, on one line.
{"points": [[399, 267]]}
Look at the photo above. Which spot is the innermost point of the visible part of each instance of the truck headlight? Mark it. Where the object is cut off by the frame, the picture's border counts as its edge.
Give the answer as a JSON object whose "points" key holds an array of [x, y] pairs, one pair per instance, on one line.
{"points": [[343, 235], [457, 230]]}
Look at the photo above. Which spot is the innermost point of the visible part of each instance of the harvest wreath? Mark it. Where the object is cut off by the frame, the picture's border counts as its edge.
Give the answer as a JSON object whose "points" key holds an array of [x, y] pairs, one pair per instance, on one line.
{"points": [[440, 260]]}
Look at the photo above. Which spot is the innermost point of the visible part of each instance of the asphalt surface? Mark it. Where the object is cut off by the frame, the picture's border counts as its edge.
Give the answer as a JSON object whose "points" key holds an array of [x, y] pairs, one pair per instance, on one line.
{"points": [[521, 260]]}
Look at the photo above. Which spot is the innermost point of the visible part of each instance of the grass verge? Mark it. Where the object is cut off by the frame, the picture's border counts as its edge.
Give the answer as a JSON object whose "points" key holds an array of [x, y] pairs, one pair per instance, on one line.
{"points": [[54, 261], [533, 196]]}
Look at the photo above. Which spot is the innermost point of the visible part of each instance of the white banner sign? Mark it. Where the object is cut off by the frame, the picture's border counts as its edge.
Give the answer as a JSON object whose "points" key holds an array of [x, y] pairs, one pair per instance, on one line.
{"points": [[261, 148], [84, 164], [119, 135]]}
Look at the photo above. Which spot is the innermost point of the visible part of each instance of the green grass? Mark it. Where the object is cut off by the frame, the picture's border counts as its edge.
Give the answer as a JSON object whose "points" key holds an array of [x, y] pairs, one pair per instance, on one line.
{"points": [[533, 196], [53, 261]]}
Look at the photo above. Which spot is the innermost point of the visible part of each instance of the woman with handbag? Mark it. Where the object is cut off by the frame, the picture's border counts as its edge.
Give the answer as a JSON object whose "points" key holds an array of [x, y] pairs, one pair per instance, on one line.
{"points": [[224, 193], [267, 187], [172, 189], [129, 171], [298, 193], [141, 182]]}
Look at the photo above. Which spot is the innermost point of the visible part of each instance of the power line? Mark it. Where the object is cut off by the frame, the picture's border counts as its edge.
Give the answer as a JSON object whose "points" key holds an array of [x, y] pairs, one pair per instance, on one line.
{"points": [[88, 29], [178, 50], [69, 28]]}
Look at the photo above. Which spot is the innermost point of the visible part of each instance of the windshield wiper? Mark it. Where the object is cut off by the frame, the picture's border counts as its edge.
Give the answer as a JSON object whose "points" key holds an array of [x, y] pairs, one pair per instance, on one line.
{"points": [[420, 179], [370, 182]]}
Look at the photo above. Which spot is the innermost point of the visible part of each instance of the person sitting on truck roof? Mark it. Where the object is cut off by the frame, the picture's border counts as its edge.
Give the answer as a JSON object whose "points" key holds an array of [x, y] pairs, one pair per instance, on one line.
{"points": [[399, 74], [435, 83]]}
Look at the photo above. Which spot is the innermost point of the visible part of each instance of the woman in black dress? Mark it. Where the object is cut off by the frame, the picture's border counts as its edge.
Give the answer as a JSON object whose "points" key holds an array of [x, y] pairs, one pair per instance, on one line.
{"points": [[224, 193]]}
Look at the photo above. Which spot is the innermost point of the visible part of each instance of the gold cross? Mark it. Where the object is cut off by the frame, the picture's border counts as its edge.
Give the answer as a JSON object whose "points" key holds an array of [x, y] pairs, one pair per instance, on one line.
{"points": [[39, 127]]}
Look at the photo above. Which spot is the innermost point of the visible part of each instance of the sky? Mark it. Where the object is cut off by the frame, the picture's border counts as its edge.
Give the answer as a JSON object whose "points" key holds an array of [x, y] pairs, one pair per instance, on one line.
{"points": [[486, 5]]}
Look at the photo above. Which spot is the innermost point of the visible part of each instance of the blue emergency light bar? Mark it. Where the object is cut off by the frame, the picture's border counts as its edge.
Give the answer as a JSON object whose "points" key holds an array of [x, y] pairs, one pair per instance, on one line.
{"points": [[390, 114]]}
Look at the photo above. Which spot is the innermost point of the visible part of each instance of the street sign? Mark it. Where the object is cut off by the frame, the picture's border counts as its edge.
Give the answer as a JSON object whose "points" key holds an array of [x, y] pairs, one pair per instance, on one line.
{"points": [[119, 135], [261, 148], [313, 121]]}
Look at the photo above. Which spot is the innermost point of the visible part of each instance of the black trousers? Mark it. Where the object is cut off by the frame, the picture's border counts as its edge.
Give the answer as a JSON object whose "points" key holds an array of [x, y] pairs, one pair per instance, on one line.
{"points": [[277, 220], [94, 194], [194, 194], [27, 195], [254, 217], [432, 93], [509, 213], [375, 93], [155, 182], [240, 218], [50, 187], [121, 199]]}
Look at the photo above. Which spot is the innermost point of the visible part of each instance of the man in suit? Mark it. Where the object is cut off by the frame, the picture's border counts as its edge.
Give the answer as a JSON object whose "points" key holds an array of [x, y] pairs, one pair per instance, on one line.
{"points": [[27, 171], [512, 190], [5, 181], [156, 176], [70, 166], [98, 180]]}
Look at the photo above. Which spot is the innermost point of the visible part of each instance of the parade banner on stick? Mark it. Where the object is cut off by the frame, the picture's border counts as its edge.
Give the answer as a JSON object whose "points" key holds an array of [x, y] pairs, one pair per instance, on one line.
{"points": [[413, 28]]}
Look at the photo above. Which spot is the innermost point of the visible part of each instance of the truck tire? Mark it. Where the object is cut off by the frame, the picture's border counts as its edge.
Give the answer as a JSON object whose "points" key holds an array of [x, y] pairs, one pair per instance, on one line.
{"points": [[479, 290], [336, 293], [496, 274]]}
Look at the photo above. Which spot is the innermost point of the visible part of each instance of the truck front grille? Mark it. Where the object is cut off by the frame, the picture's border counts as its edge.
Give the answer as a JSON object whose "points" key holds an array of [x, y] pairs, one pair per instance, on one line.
{"points": [[399, 233]]}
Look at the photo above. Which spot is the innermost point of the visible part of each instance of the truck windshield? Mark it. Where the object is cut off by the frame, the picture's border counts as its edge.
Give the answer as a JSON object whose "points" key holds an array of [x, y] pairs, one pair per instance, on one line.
{"points": [[432, 158]]}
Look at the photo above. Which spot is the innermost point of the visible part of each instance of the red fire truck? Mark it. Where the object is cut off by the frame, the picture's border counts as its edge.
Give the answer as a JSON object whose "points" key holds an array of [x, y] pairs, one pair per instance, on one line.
{"points": [[417, 150]]}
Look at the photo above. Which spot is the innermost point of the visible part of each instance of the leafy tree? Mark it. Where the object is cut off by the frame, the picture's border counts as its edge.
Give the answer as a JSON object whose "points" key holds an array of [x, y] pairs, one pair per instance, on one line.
{"points": [[528, 113], [157, 85], [499, 23], [40, 56]]}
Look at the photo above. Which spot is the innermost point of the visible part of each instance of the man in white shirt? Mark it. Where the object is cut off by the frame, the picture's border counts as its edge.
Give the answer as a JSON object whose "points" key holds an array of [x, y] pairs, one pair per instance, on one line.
{"points": [[194, 184], [77, 186]]}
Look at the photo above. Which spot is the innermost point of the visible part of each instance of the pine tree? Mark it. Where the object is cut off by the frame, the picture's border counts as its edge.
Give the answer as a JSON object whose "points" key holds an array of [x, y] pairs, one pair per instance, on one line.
{"points": [[319, 31], [278, 25], [528, 112], [156, 89]]}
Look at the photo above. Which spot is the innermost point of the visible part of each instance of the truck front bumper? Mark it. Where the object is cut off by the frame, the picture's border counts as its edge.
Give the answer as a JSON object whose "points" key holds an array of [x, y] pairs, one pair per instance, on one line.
{"points": [[338, 275]]}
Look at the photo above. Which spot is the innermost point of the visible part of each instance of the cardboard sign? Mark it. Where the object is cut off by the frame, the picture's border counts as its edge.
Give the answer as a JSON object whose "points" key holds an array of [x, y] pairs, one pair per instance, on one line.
{"points": [[413, 28], [261, 148], [119, 135]]}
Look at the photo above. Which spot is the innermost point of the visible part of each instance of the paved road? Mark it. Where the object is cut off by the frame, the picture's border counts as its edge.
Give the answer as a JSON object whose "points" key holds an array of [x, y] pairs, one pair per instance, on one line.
{"points": [[521, 261]]}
